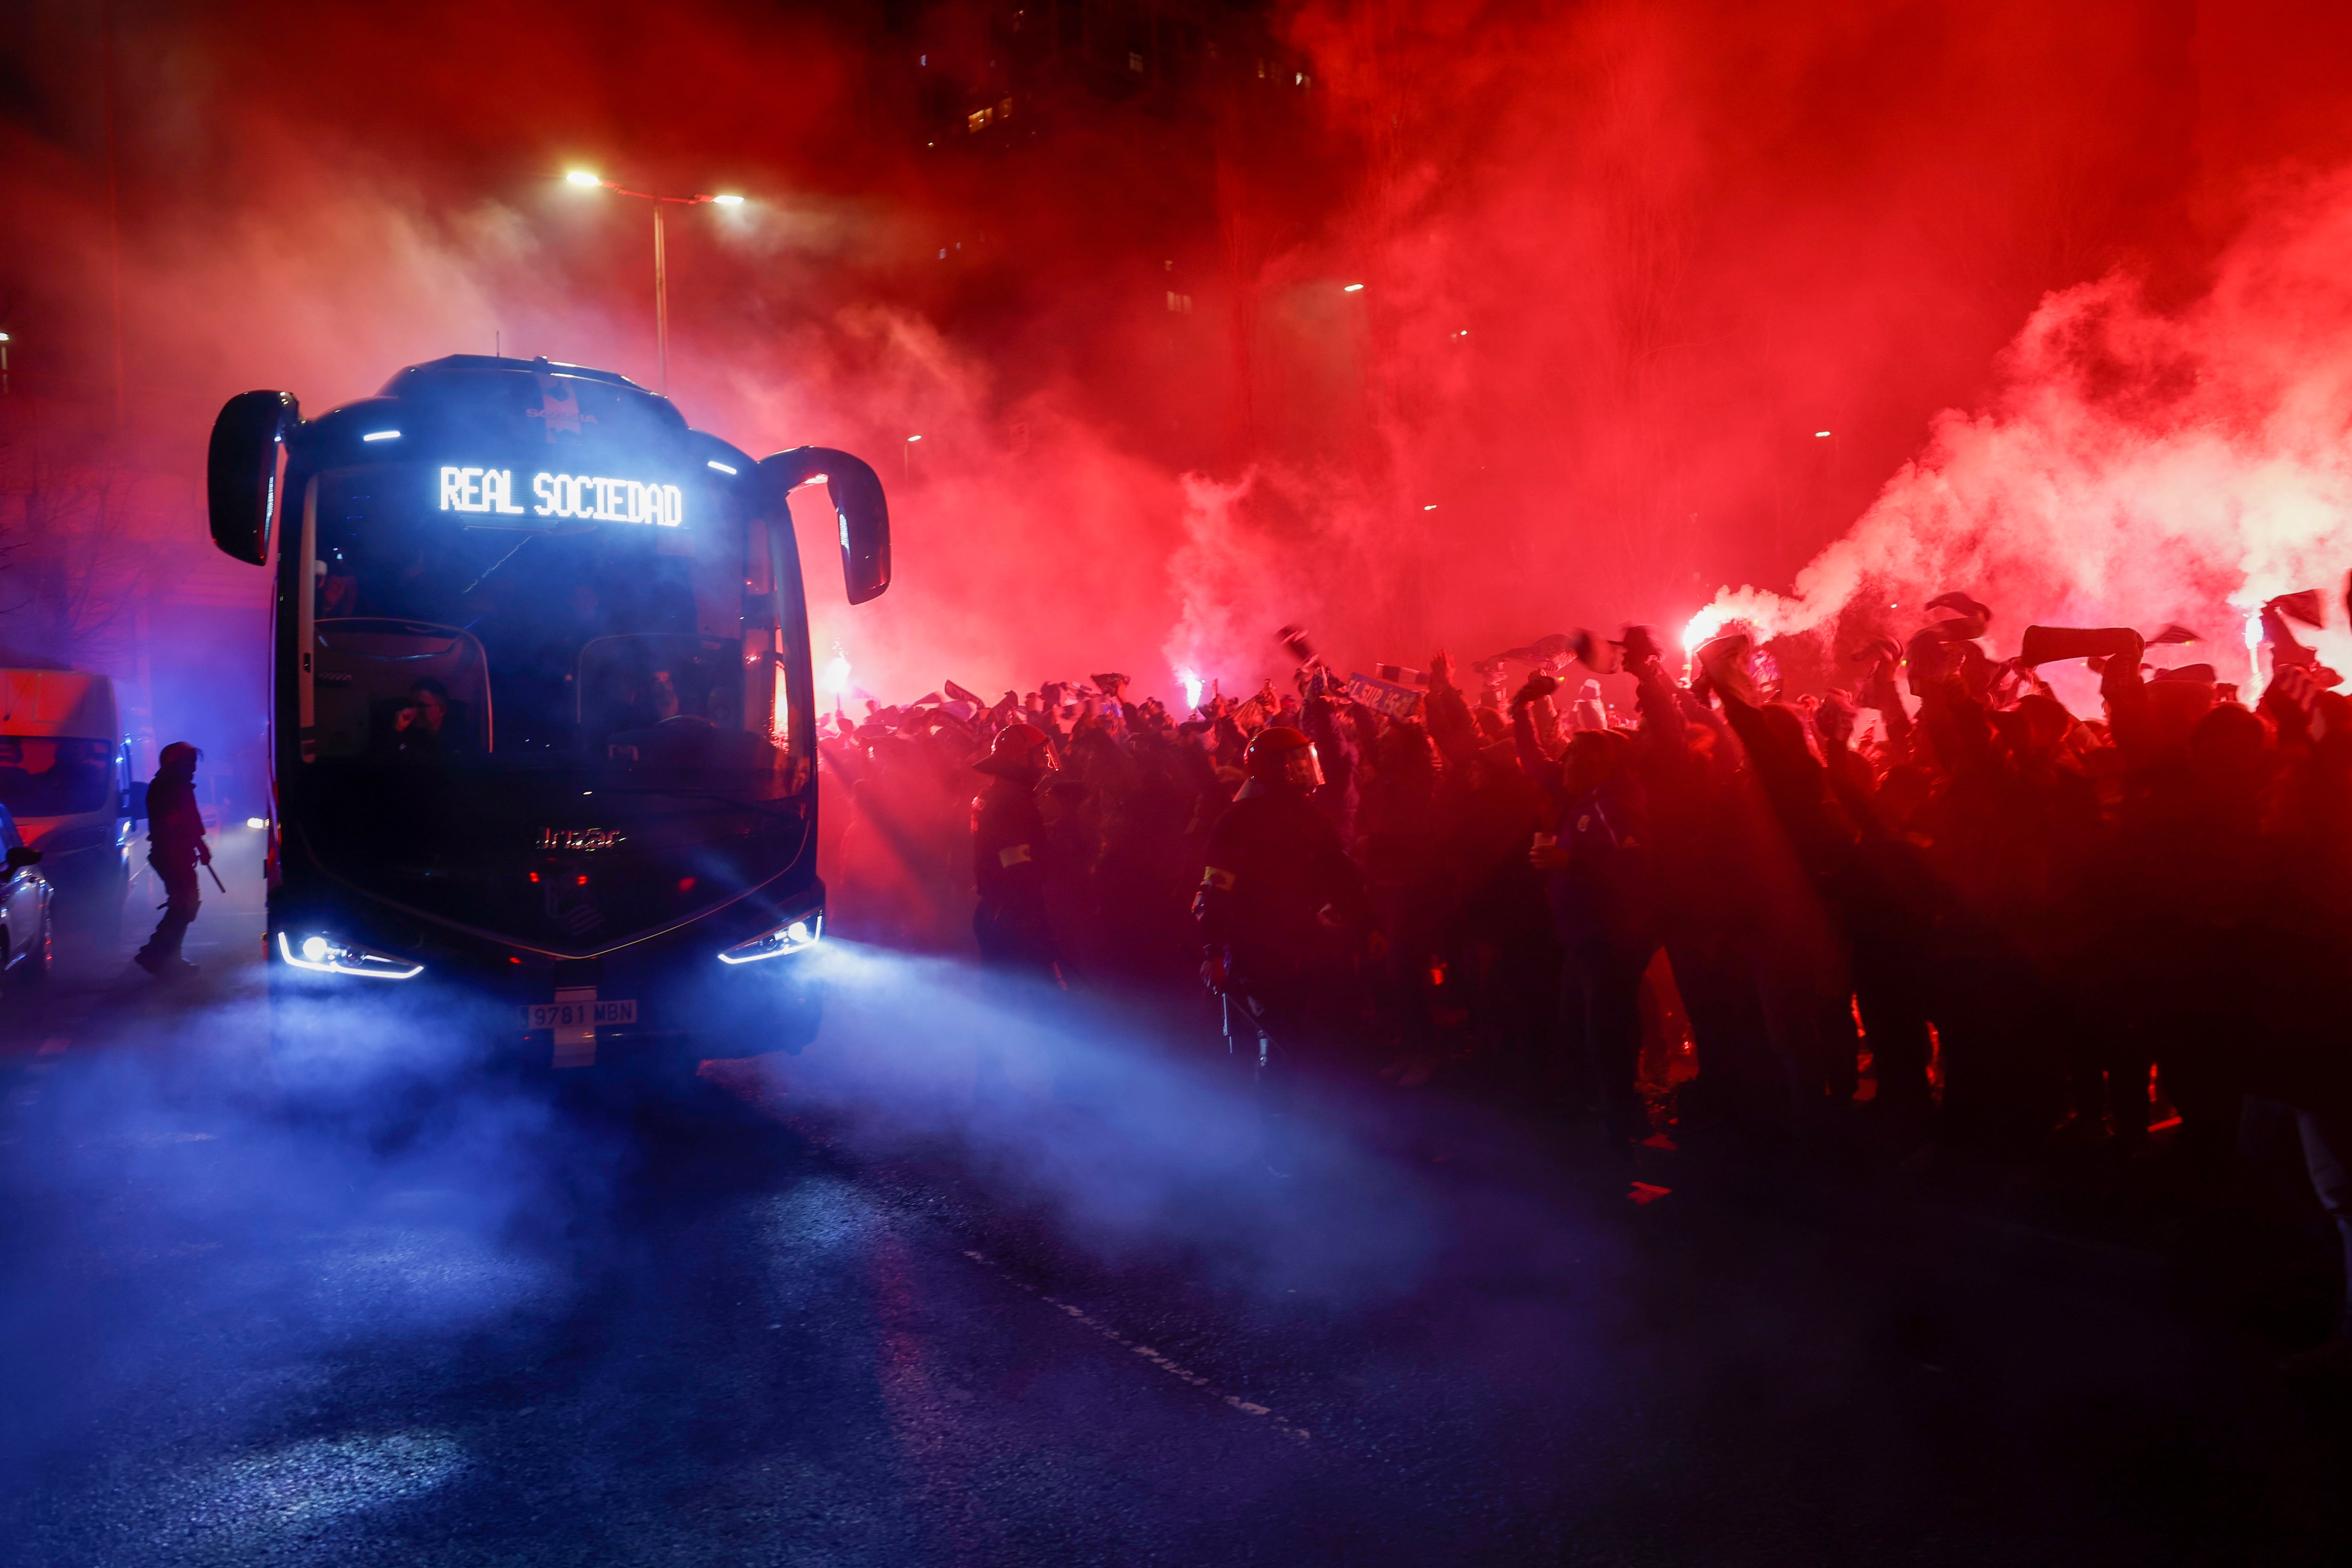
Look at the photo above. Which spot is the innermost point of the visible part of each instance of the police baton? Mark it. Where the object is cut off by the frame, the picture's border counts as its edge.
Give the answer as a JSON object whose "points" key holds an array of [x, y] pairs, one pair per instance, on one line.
{"points": [[216, 881]]}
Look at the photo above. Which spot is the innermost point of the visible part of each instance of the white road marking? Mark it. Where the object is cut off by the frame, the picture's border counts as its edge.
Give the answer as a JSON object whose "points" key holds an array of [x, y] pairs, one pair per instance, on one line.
{"points": [[1181, 1374]]}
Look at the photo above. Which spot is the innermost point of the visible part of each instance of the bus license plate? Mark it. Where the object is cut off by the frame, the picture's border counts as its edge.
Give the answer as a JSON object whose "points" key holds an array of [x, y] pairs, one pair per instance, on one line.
{"points": [[578, 1015]]}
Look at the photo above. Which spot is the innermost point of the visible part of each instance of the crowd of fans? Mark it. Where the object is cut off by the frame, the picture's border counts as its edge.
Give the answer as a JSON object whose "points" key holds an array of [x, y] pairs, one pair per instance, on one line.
{"points": [[1936, 905]]}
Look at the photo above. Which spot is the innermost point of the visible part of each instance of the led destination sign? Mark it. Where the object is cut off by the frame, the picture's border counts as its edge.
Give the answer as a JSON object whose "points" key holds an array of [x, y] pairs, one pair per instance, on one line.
{"points": [[591, 496]]}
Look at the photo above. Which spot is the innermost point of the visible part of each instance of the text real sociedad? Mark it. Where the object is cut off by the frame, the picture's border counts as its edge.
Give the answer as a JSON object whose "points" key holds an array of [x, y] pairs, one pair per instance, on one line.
{"points": [[564, 495]]}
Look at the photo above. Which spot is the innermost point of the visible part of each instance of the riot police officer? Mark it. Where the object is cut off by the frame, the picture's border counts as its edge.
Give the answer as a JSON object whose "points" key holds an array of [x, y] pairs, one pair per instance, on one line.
{"points": [[175, 847], [1282, 915]]}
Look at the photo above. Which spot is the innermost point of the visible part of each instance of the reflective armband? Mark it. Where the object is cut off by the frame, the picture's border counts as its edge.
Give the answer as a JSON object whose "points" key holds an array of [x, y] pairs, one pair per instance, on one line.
{"points": [[1222, 881], [1016, 856]]}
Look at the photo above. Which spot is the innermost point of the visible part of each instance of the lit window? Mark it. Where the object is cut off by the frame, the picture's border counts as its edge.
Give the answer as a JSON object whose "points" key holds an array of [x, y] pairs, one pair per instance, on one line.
{"points": [[1134, 61], [977, 118], [1004, 110], [1179, 303]]}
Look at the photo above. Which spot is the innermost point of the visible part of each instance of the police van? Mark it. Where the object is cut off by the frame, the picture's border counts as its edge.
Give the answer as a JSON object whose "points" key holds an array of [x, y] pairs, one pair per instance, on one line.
{"points": [[65, 778]]}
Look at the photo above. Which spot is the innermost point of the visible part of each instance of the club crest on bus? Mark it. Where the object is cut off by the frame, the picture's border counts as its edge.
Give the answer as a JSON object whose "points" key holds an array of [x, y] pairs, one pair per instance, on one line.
{"points": [[559, 407]]}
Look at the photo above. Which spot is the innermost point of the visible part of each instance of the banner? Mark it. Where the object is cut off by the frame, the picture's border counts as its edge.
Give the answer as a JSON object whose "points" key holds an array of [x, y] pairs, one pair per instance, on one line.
{"points": [[1396, 702]]}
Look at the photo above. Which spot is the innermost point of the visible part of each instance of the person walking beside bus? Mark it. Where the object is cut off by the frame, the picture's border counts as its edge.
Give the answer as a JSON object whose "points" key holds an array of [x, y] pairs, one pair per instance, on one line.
{"points": [[175, 847]]}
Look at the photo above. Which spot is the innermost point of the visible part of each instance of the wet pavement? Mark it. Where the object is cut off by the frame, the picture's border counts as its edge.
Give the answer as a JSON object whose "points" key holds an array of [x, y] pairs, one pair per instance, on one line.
{"points": [[936, 1292]]}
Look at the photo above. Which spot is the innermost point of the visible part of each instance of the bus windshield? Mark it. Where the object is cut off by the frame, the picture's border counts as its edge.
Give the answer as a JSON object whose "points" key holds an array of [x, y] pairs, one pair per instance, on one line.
{"points": [[603, 624]]}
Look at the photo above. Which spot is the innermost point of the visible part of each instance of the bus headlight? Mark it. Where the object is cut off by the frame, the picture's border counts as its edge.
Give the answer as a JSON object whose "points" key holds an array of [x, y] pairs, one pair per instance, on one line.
{"points": [[327, 955], [796, 935]]}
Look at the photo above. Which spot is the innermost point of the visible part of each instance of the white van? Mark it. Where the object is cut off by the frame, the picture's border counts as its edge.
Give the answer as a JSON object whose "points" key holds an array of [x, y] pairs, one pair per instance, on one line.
{"points": [[65, 777]]}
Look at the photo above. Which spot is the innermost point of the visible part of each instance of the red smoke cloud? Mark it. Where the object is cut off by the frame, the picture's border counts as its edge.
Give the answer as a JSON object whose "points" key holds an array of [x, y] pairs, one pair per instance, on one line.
{"points": [[1660, 292], [2137, 466], [1621, 261]]}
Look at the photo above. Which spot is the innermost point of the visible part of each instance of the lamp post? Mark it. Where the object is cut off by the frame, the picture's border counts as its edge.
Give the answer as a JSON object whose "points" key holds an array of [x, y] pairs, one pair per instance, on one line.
{"points": [[661, 264]]}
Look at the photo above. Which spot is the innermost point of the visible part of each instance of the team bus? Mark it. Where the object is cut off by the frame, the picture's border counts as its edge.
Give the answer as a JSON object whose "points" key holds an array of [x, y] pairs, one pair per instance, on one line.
{"points": [[542, 719]]}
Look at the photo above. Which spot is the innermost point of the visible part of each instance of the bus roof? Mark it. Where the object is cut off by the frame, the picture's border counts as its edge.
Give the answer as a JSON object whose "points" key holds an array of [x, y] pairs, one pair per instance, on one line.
{"points": [[443, 409], [496, 362]]}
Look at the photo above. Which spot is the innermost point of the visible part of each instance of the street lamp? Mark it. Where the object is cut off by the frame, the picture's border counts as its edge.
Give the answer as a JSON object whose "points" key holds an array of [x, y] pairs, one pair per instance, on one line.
{"points": [[661, 265]]}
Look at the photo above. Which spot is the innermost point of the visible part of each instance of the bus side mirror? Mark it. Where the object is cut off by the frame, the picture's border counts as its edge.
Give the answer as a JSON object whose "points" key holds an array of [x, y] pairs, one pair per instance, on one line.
{"points": [[857, 503], [241, 471]]}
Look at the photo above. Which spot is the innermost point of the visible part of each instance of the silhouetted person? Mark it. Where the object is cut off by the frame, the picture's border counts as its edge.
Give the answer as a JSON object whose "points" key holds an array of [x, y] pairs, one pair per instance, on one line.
{"points": [[421, 728], [1595, 868], [1008, 851], [1282, 916], [175, 847]]}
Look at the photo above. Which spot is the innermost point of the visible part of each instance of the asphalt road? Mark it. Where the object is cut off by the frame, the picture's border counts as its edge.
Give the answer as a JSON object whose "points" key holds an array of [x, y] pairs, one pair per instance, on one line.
{"points": [[953, 1286]]}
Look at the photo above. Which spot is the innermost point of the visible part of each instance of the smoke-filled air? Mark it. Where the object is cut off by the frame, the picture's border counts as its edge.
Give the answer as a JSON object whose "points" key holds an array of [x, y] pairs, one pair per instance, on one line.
{"points": [[1507, 316], [1179, 782], [2134, 465]]}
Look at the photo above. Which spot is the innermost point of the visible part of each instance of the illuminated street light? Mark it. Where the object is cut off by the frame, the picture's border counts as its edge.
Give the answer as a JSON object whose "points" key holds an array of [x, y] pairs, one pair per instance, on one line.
{"points": [[1352, 288], [1821, 435], [661, 263]]}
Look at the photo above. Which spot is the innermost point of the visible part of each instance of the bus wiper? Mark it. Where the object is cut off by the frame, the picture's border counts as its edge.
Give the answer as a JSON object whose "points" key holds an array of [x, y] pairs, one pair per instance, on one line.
{"points": [[495, 565]]}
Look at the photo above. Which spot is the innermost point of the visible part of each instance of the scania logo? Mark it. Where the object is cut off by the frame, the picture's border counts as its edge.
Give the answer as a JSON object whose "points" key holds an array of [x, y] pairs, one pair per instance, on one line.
{"points": [[578, 838]]}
